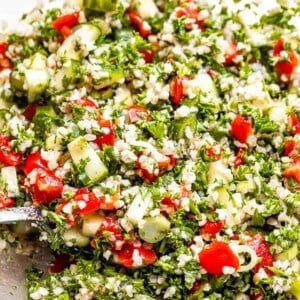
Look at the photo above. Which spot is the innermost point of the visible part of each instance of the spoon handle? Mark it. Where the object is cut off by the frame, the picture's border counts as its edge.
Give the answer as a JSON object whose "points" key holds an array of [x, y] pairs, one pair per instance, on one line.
{"points": [[15, 214]]}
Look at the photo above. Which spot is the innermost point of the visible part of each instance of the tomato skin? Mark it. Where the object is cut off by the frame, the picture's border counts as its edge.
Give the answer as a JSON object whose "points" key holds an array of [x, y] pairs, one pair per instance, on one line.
{"points": [[213, 154], [285, 67], [63, 22], [86, 102], [3, 47], [148, 55], [212, 227], [47, 187], [262, 250], [193, 15], [137, 113], [8, 156], [231, 54], [92, 202], [107, 138], [238, 161], [30, 111], [5, 62], [5, 201], [61, 262], [216, 256], [34, 160], [241, 128], [293, 171], [176, 91], [289, 148], [125, 256], [111, 226], [137, 21]]}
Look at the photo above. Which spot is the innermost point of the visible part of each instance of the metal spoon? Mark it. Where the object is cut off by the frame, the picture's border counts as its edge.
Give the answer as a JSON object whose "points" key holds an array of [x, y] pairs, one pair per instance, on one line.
{"points": [[16, 214]]}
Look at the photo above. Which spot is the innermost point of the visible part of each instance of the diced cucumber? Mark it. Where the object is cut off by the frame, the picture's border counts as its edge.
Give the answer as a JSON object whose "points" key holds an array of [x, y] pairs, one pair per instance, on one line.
{"points": [[154, 229], [138, 208], [145, 8], [223, 196], [110, 77], [38, 62], [9, 175], [295, 289], [101, 5], [69, 73], [179, 126], [23, 228], [218, 171], [83, 154], [205, 83], [17, 79], [87, 32], [45, 110], [74, 237], [36, 82], [69, 49], [91, 224], [288, 254], [245, 187]]}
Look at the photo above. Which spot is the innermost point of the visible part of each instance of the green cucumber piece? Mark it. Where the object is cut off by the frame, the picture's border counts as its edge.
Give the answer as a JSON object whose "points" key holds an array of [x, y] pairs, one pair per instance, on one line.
{"points": [[288, 254], [85, 157], [91, 224], [101, 5], [74, 237], [111, 76], [9, 175], [154, 229], [145, 8], [295, 289], [36, 82], [179, 126]]}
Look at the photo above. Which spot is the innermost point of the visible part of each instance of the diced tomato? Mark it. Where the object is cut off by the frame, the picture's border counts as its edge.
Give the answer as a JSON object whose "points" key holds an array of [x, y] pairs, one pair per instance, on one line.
{"points": [[176, 90], [108, 135], [47, 187], [142, 26], [289, 147], [3, 47], [257, 294], [125, 256], [5, 62], [30, 111], [61, 262], [168, 205], [217, 255], [287, 66], [196, 286], [111, 227], [239, 158], [293, 171], [91, 201], [148, 55], [34, 160], [8, 156], [63, 24], [231, 54], [192, 15], [86, 102], [137, 113], [5, 201], [262, 250], [212, 227], [211, 152], [241, 128]]}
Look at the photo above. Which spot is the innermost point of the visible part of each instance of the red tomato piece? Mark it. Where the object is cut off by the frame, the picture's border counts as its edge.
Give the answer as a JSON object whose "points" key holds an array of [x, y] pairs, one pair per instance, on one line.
{"points": [[239, 158], [86, 102], [287, 66], [108, 136], [34, 160], [216, 256], [176, 90], [91, 201], [168, 205], [5, 201], [47, 187], [241, 128], [3, 47], [61, 262], [213, 154], [293, 171], [148, 55], [69, 20], [212, 227], [142, 26], [262, 250], [231, 54], [30, 111], [289, 147], [5, 62], [66, 31], [125, 256], [8, 156], [137, 113], [192, 14], [112, 227]]}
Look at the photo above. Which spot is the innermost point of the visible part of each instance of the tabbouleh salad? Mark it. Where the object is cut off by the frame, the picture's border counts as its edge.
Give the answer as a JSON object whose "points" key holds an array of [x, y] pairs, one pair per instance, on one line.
{"points": [[161, 139]]}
